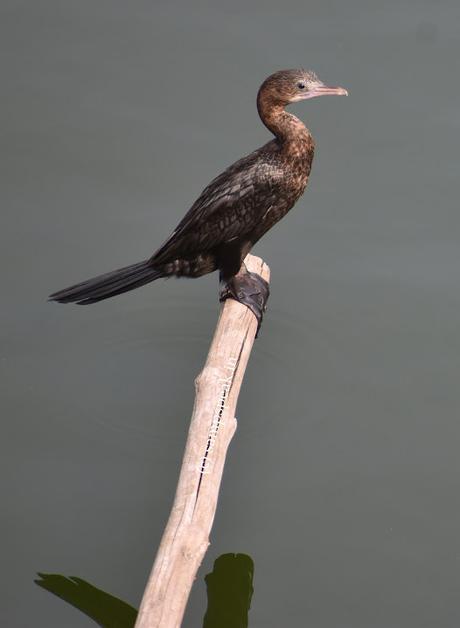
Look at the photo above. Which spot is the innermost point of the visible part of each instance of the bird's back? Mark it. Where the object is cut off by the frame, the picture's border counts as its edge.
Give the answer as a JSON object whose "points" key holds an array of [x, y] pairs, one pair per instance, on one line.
{"points": [[241, 203]]}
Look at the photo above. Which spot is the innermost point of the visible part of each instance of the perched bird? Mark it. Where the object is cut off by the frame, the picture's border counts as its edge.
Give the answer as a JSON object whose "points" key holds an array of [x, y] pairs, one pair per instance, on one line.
{"points": [[235, 210]]}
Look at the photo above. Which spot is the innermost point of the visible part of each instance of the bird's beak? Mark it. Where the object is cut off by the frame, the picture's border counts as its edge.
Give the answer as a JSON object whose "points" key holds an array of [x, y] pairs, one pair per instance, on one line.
{"points": [[324, 90]]}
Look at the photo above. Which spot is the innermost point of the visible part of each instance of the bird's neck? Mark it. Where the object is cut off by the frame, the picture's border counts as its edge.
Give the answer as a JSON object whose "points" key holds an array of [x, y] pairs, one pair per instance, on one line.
{"points": [[286, 127]]}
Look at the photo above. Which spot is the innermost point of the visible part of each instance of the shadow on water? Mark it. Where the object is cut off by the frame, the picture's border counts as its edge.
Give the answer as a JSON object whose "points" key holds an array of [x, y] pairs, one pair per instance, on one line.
{"points": [[105, 609], [229, 590]]}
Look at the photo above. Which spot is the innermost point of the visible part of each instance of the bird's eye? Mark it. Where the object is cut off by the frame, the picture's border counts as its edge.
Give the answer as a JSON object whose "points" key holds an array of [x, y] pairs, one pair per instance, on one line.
{"points": [[301, 85]]}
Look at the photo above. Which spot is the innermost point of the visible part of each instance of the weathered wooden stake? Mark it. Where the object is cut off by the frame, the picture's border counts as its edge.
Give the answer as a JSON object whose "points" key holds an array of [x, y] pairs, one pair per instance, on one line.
{"points": [[213, 423]]}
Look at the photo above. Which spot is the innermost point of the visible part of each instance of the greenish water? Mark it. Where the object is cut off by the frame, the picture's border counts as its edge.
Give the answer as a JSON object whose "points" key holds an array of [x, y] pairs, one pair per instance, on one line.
{"points": [[342, 480]]}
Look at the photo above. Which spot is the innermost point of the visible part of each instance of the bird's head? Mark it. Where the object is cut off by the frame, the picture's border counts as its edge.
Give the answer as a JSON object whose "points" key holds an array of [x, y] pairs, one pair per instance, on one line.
{"points": [[288, 86]]}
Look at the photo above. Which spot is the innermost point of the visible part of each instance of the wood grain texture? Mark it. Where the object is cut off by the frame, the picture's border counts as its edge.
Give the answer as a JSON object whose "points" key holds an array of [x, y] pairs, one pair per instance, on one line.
{"points": [[213, 423]]}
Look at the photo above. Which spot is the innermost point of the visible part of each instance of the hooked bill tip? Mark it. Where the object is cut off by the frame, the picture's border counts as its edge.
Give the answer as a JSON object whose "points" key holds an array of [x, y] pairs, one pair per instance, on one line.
{"points": [[325, 90]]}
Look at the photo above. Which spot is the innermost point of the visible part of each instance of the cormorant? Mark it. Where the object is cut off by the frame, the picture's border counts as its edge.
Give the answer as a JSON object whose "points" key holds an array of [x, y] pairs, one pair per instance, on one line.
{"points": [[235, 210]]}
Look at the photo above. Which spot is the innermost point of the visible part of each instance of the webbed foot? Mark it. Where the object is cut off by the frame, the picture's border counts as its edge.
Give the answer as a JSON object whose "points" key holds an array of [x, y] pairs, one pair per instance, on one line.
{"points": [[251, 290]]}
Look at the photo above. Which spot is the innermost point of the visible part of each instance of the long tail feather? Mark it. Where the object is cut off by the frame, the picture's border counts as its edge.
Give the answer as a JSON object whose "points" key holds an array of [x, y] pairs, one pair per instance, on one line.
{"points": [[108, 285]]}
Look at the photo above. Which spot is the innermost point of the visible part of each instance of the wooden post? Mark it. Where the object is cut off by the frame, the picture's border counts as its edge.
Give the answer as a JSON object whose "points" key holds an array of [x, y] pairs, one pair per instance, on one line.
{"points": [[213, 423]]}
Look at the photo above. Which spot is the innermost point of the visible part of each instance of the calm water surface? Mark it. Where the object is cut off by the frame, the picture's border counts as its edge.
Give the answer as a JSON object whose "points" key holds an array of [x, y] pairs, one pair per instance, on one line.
{"points": [[342, 481]]}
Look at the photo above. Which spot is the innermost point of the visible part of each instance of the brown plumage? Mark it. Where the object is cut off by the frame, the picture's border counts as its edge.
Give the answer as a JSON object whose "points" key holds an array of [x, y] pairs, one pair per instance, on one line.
{"points": [[238, 207]]}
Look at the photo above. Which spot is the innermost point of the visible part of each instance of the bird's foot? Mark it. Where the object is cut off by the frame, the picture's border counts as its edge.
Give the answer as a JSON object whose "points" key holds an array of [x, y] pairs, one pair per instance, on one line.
{"points": [[249, 289]]}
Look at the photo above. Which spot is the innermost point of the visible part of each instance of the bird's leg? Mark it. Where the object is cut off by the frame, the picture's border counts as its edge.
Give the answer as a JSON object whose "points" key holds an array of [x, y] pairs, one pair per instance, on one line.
{"points": [[250, 289]]}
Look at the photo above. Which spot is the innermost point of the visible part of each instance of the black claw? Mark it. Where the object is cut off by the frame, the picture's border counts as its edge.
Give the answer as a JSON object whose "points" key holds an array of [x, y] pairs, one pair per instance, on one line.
{"points": [[251, 290]]}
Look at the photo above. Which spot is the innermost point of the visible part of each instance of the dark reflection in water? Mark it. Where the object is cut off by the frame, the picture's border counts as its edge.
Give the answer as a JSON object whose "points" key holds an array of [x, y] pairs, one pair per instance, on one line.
{"points": [[106, 610], [230, 592], [229, 588]]}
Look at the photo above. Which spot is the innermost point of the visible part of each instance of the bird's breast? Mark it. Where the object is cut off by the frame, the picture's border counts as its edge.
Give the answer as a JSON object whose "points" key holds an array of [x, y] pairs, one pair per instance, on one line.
{"points": [[297, 164]]}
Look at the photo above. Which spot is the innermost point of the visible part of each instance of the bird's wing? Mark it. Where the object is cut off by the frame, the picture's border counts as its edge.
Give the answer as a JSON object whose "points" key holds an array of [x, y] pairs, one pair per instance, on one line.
{"points": [[228, 208]]}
